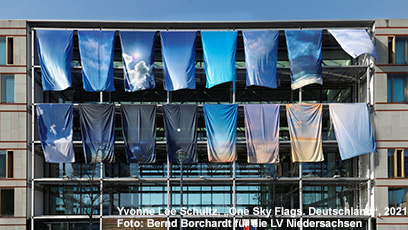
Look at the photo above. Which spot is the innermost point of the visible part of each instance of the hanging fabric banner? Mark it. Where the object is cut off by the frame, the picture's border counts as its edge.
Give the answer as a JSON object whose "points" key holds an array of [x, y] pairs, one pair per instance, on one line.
{"points": [[355, 42], [98, 132], [96, 51], [55, 129], [219, 49], [178, 54], [180, 125], [352, 127], [138, 59], [139, 132], [305, 129], [221, 125], [55, 53], [262, 133], [261, 56], [305, 57]]}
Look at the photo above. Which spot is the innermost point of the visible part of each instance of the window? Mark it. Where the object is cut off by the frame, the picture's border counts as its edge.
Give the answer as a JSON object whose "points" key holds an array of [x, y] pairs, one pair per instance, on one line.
{"points": [[6, 202], [397, 163], [397, 197], [398, 50], [6, 50], [6, 164], [396, 88], [7, 88]]}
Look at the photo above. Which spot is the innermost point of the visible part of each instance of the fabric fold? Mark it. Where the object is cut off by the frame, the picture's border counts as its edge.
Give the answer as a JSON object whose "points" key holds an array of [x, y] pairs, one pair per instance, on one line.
{"points": [[180, 125], [261, 56], [55, 129], [55, 53], [98, 132], [96, 51], [138, 59], [178, 54], [353, 130], [221, 127], [262, 133], [305, 57], [139, 132], [305, 129], [219, 48]]}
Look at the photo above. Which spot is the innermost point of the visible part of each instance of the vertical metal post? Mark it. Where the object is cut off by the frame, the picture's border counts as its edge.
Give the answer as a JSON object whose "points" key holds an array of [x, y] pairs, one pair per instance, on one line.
{"points": [[234, 186], [181, 192], [101, 179], [368, 79], [32, 130], [169, 200], [100, 97], [300, 176]]}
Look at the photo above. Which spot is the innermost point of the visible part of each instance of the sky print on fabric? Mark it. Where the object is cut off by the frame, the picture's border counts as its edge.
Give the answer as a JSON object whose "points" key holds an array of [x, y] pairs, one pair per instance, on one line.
{"points": [[261, 54], [355, 42], [305, 57], [219, 48], [221, 126], [305, 129], [55, 53], [55, 129], [138, 59], [96, 50], [178, 54]]}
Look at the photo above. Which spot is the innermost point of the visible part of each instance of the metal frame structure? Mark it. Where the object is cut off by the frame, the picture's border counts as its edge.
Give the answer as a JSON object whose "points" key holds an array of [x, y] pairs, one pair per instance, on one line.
{"points": [[165, 26]]}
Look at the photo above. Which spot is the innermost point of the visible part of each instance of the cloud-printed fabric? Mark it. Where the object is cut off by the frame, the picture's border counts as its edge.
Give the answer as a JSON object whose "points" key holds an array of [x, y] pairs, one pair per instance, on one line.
{"points": [[96, 51], [178, 54], [355, 42], [219, 49], [305, 57], [138, 59], [55, 129], [261, 54], [55, 54]]}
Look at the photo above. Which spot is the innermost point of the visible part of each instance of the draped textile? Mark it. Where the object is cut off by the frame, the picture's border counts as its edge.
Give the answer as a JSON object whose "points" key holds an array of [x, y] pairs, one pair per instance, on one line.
{"points": [[221, 126], [178, 54], [139, 132], [305, 129], [180, 125], [55, 53], [55, 129]]}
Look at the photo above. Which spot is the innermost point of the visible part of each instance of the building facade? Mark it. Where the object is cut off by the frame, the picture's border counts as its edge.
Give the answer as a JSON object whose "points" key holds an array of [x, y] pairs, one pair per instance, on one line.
{"points": [[62, 195]]}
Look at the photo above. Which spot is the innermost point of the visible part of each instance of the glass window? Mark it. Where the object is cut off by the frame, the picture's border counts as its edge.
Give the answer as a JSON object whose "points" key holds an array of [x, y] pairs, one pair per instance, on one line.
{"points": [[397, 163], [3, 51], [6, 164], [396, 86], [7, 202], [7, 88], [335, 197], [401, 50], [397, 197]]}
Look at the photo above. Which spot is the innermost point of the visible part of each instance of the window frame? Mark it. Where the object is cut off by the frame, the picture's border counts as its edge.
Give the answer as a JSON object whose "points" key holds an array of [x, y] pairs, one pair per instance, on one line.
{"points": [[398, 169], [392, 49], [10, 53], [3, 101], [9, 173], [390, 95]]}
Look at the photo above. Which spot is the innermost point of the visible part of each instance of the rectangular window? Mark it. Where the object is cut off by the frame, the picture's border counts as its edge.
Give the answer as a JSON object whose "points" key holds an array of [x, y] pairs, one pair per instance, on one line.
{"points": [[6, 202], [10, 51], [397, 197], [3, 51], [397, 163], [7, 88], [398, 50], [396, 88], [6, 164]]}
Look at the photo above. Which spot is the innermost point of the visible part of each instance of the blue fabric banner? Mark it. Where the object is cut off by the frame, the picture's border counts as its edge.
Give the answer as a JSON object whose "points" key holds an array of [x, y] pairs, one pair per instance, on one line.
{"points": [[261, 56], [55, 53], [96, 51], [139, 132], [138, 59], [305, 57], [219, 49], [355, 42], [180, 124], [55, 128], [262, 133], [221, 125], [305, 129], [98, 132], [178, 54], [353, 129]]}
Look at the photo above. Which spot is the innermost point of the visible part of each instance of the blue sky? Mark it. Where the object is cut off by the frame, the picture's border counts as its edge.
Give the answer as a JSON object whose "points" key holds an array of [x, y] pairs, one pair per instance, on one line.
{"points": [[199, 10]]}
